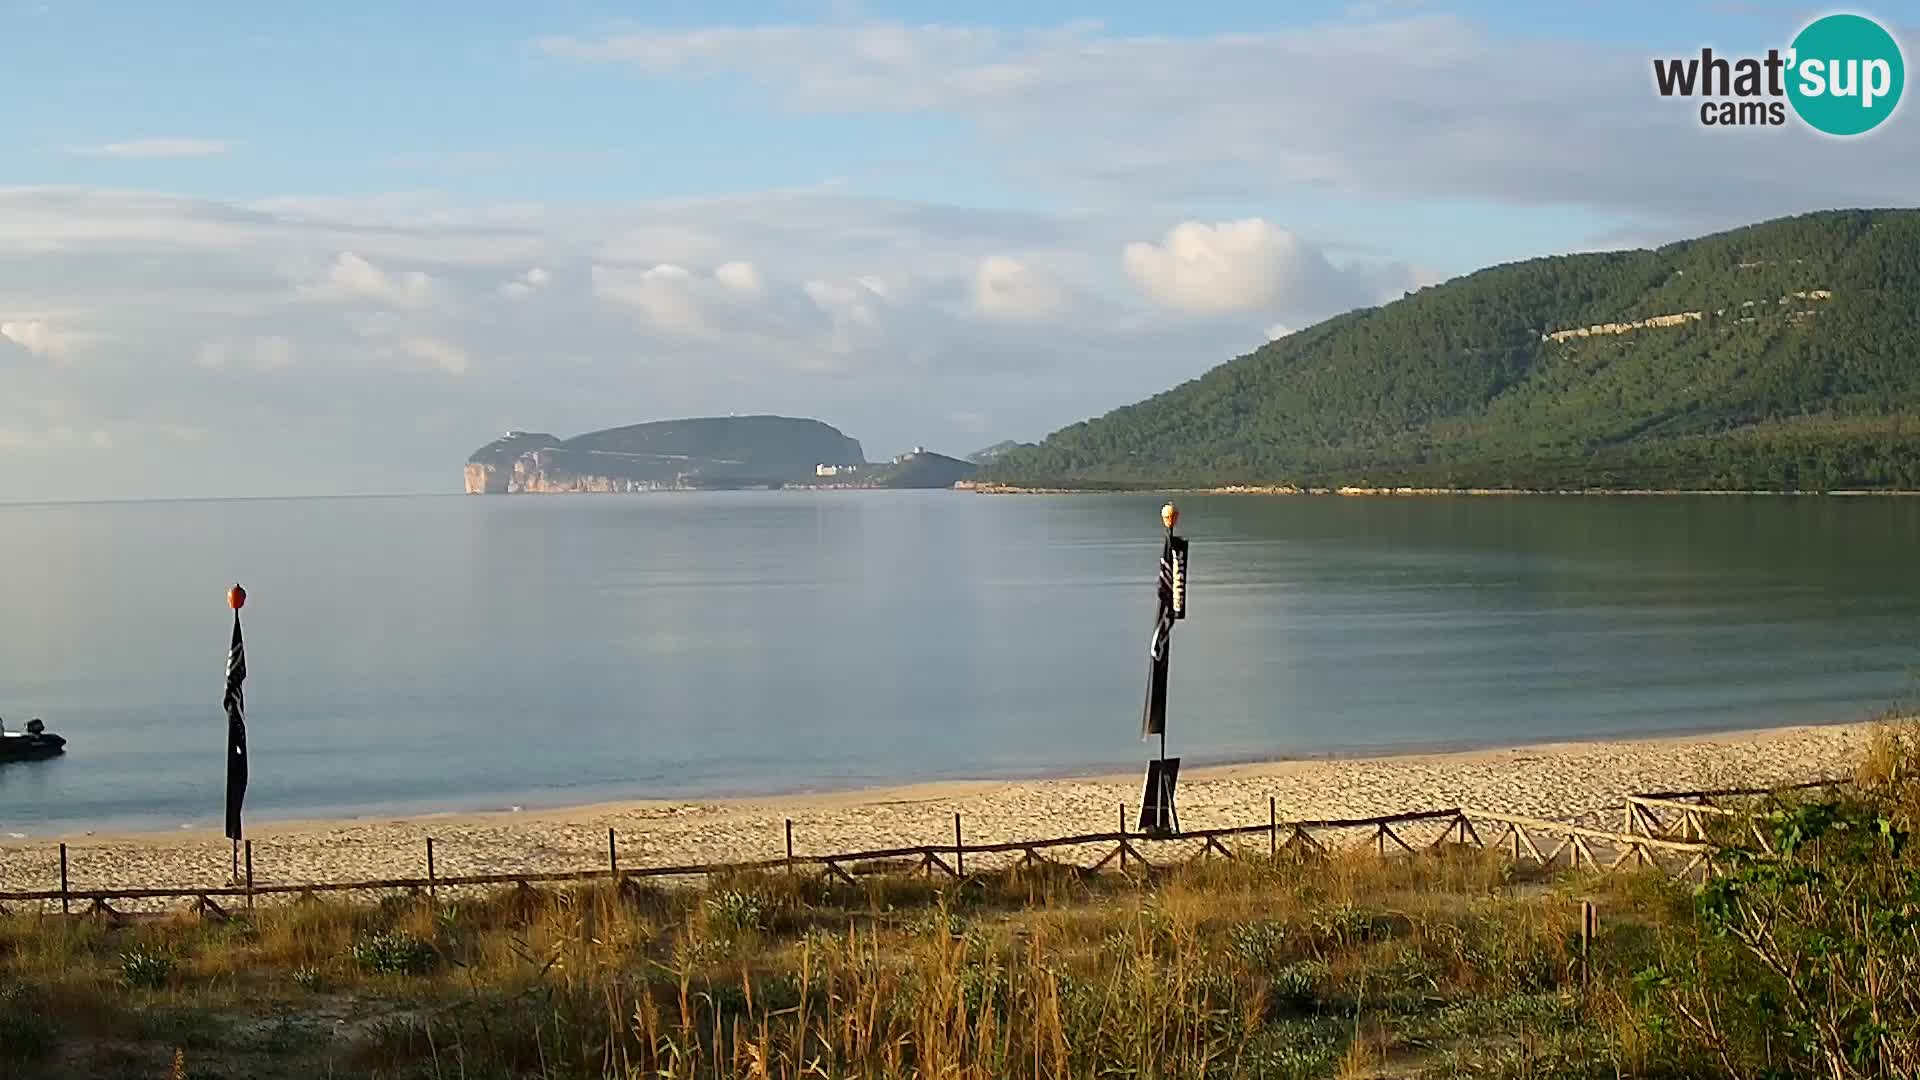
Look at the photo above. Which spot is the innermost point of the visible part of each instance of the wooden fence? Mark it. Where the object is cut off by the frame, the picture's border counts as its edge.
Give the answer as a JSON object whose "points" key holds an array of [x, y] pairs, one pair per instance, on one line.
{"points": [[1663, 830], [1684, 815]]}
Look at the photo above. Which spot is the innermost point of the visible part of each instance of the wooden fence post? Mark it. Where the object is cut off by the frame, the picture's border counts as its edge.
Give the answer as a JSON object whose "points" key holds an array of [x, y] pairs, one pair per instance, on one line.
{"points": [[249, 875], [1273, 829], [1123, 838], [1589, 924], [789, 846], [959, 849], [613, 858], [65, 909], [433, 891]]}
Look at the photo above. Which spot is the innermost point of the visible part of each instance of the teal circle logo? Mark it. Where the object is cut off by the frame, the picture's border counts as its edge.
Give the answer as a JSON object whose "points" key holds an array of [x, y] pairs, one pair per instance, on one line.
{"points": [[1846, 75]]}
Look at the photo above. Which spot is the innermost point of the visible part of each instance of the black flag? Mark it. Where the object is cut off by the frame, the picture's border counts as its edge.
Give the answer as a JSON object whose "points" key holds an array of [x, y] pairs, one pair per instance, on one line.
{"points": [[1156, 801], [1173, 597], [236, 704]]}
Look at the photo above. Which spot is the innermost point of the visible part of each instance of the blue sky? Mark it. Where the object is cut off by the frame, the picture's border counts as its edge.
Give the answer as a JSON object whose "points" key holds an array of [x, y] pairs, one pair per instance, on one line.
{"points": [[241, 230]]}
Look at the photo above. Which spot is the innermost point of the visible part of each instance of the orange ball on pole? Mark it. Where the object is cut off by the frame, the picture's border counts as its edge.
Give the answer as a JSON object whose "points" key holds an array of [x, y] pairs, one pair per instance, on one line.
{"points": [[236, 598]]}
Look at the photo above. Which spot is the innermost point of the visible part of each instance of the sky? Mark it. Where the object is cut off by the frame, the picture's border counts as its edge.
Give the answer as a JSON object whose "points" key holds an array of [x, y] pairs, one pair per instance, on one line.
{"points": [[262, 249]]}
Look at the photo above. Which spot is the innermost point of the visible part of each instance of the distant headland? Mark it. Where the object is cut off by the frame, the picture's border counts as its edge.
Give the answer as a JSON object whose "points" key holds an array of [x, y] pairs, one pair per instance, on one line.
{"points": [[700, 453]]}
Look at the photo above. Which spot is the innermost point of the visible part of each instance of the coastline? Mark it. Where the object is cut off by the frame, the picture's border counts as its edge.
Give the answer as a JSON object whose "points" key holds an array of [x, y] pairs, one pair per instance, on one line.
{"points": [[975, 488], [1565, 780]]}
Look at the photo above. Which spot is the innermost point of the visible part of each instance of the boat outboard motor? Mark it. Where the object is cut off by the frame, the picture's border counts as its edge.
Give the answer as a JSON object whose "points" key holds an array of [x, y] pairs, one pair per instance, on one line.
{"points": [[35, 727]]}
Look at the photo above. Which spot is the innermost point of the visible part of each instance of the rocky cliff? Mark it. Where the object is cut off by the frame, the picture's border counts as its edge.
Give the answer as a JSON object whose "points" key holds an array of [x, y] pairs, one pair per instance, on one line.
{"points": [[705, 452]]}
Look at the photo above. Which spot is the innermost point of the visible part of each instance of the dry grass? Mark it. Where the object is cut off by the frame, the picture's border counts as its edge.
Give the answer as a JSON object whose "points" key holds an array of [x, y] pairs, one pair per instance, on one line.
{"points": [[1298, 968], [1440, 964], [1892, 764]]}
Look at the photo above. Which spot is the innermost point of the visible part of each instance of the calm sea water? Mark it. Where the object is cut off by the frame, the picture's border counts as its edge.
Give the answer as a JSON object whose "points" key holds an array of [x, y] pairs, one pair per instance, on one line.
{"points": [[457, 652]]}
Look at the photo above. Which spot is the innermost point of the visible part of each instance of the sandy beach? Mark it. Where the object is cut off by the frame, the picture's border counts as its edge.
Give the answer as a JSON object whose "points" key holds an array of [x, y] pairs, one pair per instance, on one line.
{"points": [[1562, 780]]}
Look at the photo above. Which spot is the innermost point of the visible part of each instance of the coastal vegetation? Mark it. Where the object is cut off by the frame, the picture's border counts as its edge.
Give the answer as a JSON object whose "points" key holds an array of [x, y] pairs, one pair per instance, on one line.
{"points": [[1781, 356], [699, 452], [1801, 959]]}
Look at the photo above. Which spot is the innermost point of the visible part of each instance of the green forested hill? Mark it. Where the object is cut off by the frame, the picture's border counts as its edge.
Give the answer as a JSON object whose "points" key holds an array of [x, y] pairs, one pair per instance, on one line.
{"points": [[1785, 355]]}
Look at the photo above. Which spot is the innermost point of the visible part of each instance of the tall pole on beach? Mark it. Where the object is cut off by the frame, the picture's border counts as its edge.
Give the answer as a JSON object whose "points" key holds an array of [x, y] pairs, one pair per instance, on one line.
{"points": [[235, 703], [1157, 812]]}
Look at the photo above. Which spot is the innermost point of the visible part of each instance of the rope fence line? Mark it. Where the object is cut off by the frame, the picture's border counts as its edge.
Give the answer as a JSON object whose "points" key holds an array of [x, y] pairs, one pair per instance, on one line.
{"points": [[1676, 843]]}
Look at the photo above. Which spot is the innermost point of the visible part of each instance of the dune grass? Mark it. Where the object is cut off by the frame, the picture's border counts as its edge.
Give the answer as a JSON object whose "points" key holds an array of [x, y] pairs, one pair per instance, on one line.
{"points": [[1341, 966]]}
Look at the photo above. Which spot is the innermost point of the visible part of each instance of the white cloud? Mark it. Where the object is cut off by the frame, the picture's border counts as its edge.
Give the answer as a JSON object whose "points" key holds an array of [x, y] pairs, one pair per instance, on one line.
{"points": [[187, 433], [1232, 266], [730, 304], [848, 302], [60, 436], [525, 285], [866, 312], [740, 276], [1277, 331], [272, 353], [156, 149], [1006, 288], [444, 355], [1445, 108], [663, 294], [42, 338], [353, 277]]}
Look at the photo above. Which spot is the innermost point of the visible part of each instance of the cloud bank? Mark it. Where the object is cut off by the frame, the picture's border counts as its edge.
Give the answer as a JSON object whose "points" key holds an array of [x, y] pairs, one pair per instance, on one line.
{"points": [[1186, 198]]}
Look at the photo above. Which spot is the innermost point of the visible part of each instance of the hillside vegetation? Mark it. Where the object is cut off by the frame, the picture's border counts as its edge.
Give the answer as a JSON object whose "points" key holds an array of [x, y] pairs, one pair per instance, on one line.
{"points": [[925, 469], [1784, 355], [712, 451]]}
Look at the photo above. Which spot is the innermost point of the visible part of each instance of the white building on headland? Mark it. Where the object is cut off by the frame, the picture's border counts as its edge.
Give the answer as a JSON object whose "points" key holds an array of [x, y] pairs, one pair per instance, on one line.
{"points": [[835, 470]]}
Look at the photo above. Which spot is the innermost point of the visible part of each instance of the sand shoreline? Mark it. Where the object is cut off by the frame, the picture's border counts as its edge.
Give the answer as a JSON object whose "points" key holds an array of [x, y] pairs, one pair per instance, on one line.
{"points": [[1197, 768], [1558, 780], [976, 488]]}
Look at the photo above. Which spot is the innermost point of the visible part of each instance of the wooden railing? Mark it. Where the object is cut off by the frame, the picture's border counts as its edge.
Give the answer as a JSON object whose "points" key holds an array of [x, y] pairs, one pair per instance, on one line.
{"points": [[1685, 814], [1665, 831]]}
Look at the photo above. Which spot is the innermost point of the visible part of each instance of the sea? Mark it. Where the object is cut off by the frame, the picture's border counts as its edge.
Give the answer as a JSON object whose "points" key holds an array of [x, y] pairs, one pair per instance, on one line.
{"points": [[428, 653]]}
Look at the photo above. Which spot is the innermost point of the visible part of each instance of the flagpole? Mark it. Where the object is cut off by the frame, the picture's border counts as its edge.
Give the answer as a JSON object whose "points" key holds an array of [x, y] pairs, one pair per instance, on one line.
{"points": [[234, 703], [1165, 545], [233, 876], [1156, 811], [1170, 515]]}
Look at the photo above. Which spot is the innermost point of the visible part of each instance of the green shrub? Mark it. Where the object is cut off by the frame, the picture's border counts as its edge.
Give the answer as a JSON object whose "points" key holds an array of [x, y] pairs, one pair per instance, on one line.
{"points": [[1259, 946], [308, 978], [1806, 962], [394, 952], [146, 967], [1296, 987], [1295, 1051], [732, 911]]}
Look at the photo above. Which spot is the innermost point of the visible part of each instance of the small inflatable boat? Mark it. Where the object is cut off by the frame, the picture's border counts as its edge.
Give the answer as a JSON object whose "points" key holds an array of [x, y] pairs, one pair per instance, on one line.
{"points": [[38, 742]]}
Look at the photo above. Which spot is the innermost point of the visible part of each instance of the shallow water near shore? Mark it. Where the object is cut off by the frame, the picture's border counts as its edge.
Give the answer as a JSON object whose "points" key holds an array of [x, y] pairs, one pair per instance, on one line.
{"points": [[424, 653]]}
